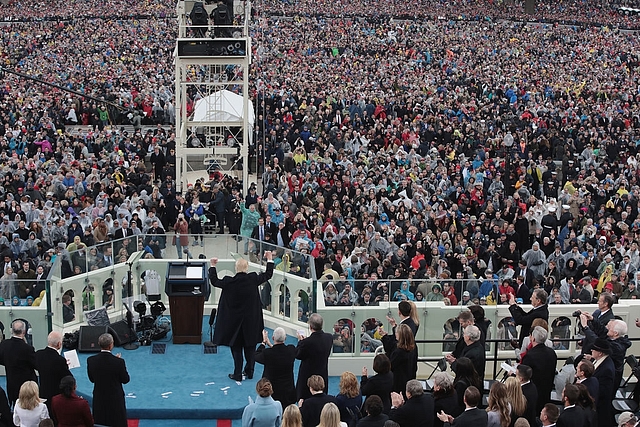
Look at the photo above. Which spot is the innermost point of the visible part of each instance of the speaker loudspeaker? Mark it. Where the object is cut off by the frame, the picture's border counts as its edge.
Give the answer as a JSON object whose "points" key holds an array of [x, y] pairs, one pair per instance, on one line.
{"points": [[88, 339], [530, 7], [122, 334]]}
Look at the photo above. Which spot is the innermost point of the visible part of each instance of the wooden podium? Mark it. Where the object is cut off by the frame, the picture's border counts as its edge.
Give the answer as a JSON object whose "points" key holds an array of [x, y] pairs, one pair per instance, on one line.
{"points": [[186, 319], [187, 286]]}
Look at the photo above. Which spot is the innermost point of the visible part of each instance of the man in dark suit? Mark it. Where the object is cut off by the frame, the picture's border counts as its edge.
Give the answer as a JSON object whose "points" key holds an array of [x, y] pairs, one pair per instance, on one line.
{"points": [[524, 374], [271, 227], [107, 373], [522, 291], [584, 375], [404, 311], [465, 318], [541, 359], [526, 273], [156, 239], [122, 233], [418, 409], [313, 352], [52, 367], [312, 406], [278, 359], [474, 350], [615, 333], [572, 415], [260, 231], [599, 319], [524, 319], [19, 360], [472, 416], [605, 373], [26, 279], [549, 415], [240, 324]]}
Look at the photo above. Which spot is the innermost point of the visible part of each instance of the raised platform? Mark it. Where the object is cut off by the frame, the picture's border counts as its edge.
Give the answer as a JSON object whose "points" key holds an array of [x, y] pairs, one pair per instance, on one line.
{"points": [[195, 381]]}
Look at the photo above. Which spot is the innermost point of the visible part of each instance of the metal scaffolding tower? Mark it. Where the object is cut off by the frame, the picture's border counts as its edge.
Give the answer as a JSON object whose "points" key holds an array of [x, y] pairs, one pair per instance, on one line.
{"points": [[214, 115]]}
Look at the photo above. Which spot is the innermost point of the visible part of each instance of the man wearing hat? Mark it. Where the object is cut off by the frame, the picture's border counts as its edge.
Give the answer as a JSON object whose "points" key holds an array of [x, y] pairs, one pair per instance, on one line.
{"points": [[627, 419], [605, 374], [466, 298], [549, 222]]}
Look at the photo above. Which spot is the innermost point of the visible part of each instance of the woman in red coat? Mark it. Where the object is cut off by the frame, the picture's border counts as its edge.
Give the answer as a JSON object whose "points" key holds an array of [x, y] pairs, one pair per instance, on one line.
{"points": [[69, 409]]}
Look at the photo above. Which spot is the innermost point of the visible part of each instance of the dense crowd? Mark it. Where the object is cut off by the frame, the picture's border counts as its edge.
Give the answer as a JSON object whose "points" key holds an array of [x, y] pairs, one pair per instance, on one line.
{"points": [[399, 170], [385, 154]]}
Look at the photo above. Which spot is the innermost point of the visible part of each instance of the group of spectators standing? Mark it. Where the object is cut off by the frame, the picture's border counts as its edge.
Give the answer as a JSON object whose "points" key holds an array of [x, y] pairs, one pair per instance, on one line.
{"points": [[50, 396], [584, 388], [384, 156]]}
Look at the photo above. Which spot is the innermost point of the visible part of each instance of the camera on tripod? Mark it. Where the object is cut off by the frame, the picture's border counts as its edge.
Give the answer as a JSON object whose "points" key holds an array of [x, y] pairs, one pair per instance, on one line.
{"points": [[150, 327]]}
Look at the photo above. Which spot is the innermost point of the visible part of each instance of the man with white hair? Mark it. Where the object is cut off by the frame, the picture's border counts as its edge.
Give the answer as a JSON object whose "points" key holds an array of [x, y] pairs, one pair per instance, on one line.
{"points": [[52, 367], [539, 358], [278, 359], [474, 350], [240, 322]]}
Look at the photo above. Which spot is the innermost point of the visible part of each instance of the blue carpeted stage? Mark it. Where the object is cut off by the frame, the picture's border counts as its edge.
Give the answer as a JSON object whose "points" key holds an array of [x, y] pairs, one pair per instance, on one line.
{"points": [[183, 383]]}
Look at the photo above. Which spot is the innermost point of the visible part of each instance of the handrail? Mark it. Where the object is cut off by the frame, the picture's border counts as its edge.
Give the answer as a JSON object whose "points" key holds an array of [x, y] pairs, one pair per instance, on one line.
{"points": [[495, 357]]}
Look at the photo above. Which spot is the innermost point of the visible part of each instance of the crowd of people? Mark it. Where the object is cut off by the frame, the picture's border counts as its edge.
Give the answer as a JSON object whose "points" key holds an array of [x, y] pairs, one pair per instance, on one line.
{"points": [[535, 391], [462, 156]]}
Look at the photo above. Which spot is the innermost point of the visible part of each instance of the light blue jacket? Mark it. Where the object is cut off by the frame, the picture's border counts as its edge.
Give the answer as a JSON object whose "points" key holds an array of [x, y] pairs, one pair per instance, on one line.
{"points": [[264, 412]]}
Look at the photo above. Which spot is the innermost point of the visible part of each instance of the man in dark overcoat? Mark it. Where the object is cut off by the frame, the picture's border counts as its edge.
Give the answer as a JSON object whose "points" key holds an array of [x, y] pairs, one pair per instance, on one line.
{"points": [[19, 360], [239, 324], [313, 352], [108, 372]]}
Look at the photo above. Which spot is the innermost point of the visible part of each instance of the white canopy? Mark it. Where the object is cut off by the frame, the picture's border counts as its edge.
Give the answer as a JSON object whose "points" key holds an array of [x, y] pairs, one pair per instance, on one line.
{"points": [[222, 107]]}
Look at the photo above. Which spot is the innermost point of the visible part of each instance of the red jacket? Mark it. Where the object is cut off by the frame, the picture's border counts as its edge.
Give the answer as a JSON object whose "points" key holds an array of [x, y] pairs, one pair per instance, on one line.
{"points": [[71, 411]]}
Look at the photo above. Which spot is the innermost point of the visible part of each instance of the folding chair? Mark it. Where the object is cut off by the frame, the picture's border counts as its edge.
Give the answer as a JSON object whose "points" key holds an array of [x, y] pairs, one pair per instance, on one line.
{"points": [[621, 403]]}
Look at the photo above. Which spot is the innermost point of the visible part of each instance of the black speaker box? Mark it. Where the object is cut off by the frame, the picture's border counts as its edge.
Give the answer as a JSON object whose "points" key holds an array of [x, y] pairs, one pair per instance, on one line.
{"points": [[530, 7], [88, 340], [122, 334]]}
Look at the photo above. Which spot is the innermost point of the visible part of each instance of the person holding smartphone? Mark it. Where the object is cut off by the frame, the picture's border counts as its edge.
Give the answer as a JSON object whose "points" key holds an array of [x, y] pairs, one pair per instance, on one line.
{"points": [[181, 239], [523, 318]]}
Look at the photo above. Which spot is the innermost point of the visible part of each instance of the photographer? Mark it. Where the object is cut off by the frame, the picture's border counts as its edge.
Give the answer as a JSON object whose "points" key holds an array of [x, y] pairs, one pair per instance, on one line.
{"points": [[600, 318], [181, 238]]}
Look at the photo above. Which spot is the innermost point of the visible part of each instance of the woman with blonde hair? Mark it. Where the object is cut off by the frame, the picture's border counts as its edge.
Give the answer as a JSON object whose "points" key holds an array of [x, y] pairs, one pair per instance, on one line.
{"points": [[349, 399], [498, 409], [291, 416], [29, 409], [414, 314], [515, 397], [330, 416]]}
